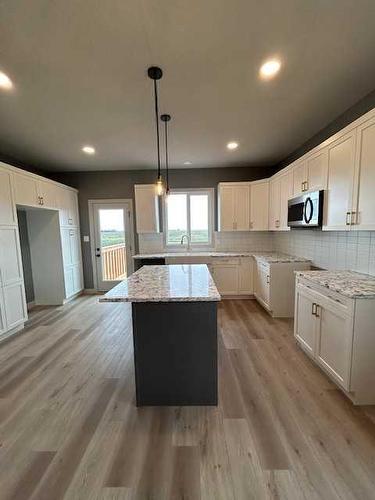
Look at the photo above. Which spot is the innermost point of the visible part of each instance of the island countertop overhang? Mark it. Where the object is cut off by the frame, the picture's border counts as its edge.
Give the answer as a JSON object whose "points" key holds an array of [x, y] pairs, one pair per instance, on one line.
{"points": [[166, 283]]}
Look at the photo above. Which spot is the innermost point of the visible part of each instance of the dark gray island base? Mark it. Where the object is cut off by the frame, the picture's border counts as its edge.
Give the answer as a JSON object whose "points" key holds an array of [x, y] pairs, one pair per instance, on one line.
{"points": [[174, 310], [175, 353]]}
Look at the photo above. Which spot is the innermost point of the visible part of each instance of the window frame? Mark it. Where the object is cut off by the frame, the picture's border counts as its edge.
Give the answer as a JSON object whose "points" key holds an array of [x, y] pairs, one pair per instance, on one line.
{"points": [[210, 192]]}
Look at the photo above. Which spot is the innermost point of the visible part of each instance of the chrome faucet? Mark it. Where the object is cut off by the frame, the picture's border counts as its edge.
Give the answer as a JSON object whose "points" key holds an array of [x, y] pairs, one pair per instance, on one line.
{"points": [[188, 240]]}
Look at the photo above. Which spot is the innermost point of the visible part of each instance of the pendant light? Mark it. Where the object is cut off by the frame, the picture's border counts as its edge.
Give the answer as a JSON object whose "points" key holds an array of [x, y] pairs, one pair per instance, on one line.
{"points": [[155, 74], [166, 119]]}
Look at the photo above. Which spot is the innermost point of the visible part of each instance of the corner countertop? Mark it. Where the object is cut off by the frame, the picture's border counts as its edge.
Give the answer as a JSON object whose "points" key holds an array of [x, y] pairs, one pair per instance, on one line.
{"points": [[348, 283], [269, 257], [167, 283]]}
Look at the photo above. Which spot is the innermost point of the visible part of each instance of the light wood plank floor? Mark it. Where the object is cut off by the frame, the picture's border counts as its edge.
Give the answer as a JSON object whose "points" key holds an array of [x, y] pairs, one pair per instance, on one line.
{"points": [[69, 428]]}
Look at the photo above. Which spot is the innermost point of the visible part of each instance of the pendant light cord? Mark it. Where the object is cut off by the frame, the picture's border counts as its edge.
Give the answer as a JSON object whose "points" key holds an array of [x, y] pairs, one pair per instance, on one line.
{"points": [[157, 125], [166, 155]]}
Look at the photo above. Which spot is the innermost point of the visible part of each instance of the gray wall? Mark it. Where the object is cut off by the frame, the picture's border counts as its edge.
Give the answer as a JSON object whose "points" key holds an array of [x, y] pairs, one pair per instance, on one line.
{"points": [[120, 184], [360, 108], [26, 258]]}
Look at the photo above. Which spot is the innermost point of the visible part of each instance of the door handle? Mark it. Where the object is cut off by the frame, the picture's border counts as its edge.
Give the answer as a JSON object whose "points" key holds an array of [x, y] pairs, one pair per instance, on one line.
{"points": [[313, 309]]}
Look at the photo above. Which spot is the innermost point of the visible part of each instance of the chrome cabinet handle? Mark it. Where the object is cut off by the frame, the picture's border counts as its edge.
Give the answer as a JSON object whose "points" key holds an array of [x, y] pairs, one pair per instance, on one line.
{"points": [[317, 311], [348, 218], [313, 309], [268, 278]]}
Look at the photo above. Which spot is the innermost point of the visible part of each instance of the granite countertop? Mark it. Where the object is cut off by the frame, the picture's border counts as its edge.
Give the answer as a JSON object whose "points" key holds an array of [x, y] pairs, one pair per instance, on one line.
{"points": [[169, 283], [275, 258], [269, 257], [191, 254], [348, 283]]}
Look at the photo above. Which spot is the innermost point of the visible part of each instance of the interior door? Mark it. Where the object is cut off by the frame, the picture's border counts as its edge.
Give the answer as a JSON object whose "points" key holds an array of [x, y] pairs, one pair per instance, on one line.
{"points": [[112, 243]]}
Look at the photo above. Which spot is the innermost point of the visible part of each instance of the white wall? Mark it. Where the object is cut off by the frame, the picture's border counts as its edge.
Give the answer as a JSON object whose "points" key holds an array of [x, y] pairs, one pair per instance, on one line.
{"points": [[331, 250]]}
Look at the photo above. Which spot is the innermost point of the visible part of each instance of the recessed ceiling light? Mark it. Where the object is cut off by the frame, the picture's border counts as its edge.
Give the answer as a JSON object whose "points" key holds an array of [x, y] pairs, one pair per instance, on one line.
{"points": [[5, 81], [269, 69], [89, 150], [188, 162], [232, 145]]}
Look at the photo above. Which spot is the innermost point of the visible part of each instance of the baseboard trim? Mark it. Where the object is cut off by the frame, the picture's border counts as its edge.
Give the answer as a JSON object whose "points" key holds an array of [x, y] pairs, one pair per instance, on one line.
{"points": [[238, 297]]}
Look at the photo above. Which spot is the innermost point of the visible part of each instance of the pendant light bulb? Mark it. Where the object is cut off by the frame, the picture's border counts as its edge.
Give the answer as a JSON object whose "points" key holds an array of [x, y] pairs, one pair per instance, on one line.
{"points": [[159, 187]]}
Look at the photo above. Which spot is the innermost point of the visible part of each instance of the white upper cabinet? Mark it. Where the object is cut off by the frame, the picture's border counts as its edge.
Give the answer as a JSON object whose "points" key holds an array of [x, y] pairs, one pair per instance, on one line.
{"points": [[67, 203], [7, 209], [310, 174], [274, 206], [259, 205], [286, 192], [146, 208], [234, 206], [26, 190], [299, 178], [364, 202], [47, 194], [316, 170], [341, 167]]}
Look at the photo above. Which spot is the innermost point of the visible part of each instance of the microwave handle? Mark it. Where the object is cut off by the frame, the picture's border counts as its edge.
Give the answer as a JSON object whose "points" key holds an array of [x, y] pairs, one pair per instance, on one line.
{"points": [[308, 202]]}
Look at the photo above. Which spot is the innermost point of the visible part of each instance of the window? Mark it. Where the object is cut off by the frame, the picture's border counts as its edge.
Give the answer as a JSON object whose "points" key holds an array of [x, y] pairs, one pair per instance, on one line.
{"points": [[190, 213]]}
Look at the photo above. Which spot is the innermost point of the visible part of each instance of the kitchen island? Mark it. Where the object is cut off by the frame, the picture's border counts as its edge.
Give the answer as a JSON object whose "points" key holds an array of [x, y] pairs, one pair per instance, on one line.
{"points": [[174, 315]]}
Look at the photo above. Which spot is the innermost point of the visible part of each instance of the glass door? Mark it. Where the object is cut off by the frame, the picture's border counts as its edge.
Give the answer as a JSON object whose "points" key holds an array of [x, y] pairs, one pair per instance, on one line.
{"points": [[112, 243]]}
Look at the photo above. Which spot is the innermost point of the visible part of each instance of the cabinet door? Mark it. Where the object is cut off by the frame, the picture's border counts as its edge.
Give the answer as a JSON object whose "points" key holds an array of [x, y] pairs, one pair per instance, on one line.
{"points": [[299, 178], [26, 190], [317, 166], [62, 203], [69, 282], [226, 208], [285, 194], [146, 209], [66, 247], [305, 321], [14, 305], [274, 218], [48, 194], [241, 207], [262, 284], [226, 278], [245, 277], [259, 205], [73, 219], [75, 245], [77, 278], [2, 313], [334, 341], [7, 209], [338, 202], [365, 165], [10, 256]]}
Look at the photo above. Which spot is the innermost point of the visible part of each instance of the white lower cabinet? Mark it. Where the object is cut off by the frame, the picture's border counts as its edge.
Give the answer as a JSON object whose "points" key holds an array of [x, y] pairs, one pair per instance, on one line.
{"points": [[274, 286], [337, 333], [233, 276], [3, 326], [14, 305]]}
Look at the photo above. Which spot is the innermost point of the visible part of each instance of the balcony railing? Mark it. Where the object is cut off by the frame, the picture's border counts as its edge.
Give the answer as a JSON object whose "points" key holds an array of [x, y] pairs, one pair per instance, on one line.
{"points": [[114, 262]]}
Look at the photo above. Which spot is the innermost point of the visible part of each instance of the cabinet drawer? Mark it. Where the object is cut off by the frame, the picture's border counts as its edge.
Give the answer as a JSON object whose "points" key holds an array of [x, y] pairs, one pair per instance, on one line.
{"points": [[328, 296], [218, 261]]}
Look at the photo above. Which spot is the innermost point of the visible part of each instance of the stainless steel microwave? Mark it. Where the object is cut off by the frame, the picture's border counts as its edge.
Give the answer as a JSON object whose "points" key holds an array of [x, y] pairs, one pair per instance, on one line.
{"points": [[306, 210]]}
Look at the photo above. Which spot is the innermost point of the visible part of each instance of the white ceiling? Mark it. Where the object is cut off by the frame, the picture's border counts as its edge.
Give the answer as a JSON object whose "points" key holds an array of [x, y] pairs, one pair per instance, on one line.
{"points": [[79, 70]]}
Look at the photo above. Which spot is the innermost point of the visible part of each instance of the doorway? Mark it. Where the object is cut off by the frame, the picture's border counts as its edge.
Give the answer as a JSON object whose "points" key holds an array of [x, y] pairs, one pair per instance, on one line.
{"points": [[112, 240]]}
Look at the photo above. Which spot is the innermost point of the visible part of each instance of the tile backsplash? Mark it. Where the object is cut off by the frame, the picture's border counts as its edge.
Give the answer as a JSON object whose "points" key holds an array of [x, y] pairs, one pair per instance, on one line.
{"points": [[330, 249], [327, 249]]}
